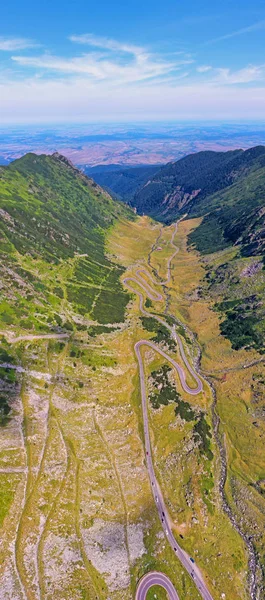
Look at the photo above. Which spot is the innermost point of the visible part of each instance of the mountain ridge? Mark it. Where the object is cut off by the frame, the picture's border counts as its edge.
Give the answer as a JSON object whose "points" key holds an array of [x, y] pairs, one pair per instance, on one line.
{"points": [[120, 181], [53, 223], [177, 185]]}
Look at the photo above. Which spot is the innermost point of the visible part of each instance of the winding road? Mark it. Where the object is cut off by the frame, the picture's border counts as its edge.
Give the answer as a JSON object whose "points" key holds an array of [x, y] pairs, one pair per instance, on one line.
{"points": [[155, 578]]}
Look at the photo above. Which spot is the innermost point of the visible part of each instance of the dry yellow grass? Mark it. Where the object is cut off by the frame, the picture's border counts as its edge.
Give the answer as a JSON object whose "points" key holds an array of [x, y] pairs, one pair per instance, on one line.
{"points": [[93, 480], [208, 532]]}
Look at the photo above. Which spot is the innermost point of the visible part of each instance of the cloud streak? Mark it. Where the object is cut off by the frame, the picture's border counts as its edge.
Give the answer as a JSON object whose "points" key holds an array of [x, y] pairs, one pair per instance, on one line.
{"points": [[98, 68], [249, 74], [106, 43], [13, 44], [204, 69], [109, 60], [255, 27]]}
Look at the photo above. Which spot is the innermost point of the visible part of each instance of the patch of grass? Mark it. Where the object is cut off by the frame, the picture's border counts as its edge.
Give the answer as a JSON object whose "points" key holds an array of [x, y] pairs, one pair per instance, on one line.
{"points": [[202, 435], [81, 297], [156, 592], [5, 356], [7, 374], [97, 360], [201, 429], [184, 410], [163, 391], [110, 306], [7, 492], [162, 334], [5, 409], [148, 303], [95, 330], [243, 324]]}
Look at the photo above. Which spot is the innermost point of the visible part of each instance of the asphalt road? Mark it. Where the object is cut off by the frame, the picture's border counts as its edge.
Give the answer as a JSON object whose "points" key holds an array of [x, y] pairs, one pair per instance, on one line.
{"points": [[152, 578], [155, 578]]}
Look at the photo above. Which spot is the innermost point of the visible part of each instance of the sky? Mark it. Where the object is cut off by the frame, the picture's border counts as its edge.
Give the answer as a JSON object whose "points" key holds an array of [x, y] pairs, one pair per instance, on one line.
{"points": [[115, 61]]}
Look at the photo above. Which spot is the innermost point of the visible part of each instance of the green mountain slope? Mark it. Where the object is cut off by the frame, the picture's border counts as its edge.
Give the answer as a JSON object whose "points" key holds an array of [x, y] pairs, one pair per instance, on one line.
{"points": [[226, 189], [180, 187], [234, 216], [54, 267], [122, 183], [234, 227]]}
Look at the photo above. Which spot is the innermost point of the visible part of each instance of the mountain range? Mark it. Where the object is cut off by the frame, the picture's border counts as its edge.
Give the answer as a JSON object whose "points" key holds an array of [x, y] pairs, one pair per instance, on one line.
{"points": [[225, 188], [69, 386], [121, 182]]}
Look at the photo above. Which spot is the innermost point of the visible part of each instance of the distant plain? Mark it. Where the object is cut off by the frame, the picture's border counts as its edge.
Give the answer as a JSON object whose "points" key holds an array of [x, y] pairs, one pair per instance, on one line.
{"points": [[125, 144]]}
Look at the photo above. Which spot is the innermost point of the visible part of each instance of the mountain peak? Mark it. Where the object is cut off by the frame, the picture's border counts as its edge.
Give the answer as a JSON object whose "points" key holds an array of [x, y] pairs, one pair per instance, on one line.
{"points": [[63, 159]]}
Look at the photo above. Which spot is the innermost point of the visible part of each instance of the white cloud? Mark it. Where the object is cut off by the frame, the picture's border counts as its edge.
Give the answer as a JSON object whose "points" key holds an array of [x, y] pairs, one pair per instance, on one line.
{"points": [[115, 80], [13, 44], [98, 68], [113, 61], [204, 69], [255, 27], [106, 43], [247, 75]]}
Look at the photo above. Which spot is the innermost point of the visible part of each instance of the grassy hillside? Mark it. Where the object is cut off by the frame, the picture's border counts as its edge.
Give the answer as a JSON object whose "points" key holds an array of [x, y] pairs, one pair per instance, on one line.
{"points": [[54, 268], [234, 216], [226, 189], [234, 287], [122, 183], [235, 227], [184, 186]]}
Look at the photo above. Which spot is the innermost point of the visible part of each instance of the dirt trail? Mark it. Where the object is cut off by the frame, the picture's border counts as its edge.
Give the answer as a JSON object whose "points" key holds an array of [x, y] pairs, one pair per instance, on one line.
{"points": [[10, 336]]}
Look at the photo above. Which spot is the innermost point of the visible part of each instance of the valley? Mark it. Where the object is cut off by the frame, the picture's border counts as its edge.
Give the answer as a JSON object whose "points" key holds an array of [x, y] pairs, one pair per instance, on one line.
{"points": [[93, 295], [132, 300]]}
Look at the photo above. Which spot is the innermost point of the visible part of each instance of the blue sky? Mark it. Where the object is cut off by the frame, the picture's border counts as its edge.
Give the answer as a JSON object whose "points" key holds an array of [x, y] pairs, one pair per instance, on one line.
{"points": [[107, 61]]}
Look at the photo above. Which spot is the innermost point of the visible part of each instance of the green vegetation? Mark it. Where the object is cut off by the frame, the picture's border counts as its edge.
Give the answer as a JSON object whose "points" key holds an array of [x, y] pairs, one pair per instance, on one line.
{"points": [[243, 325], [162, 334], [202, 435], [148, 303], [5, 409], [234, 216], [5, 356], [205, 237], [201, 430], [6, 496], [156, 593], [8, 381], [184, 410], [7, 374], [121, 183], [237, 286], [179, 328], [90, 357], [187, 184], [163, 391], [54, 222], [95, 330]]}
